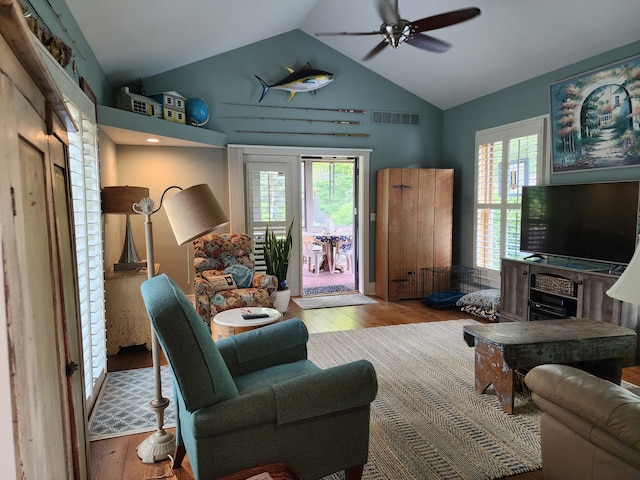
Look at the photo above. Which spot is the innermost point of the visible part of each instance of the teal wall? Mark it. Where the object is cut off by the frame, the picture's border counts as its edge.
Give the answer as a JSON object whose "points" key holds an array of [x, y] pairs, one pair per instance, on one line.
{"points": [[55, 15], [525, 100], [229, 77], [444, 139]]}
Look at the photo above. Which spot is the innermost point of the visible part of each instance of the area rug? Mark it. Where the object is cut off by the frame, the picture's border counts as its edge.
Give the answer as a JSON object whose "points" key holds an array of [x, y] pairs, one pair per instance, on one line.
{"points": [[326, 289], [122, 407], [427, 421], [329, 301]]}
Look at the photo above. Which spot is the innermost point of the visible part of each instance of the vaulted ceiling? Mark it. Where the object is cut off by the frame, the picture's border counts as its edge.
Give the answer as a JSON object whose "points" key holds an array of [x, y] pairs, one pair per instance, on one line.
{"points": [[511, 41]]}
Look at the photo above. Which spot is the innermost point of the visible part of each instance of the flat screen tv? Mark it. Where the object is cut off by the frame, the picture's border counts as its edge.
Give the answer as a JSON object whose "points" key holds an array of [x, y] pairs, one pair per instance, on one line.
{"points": [[589, 221]]}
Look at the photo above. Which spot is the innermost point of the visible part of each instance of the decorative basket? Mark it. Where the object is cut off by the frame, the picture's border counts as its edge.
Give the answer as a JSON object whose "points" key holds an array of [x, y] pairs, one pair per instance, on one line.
{"points": [[277, 471], [555, 284]]}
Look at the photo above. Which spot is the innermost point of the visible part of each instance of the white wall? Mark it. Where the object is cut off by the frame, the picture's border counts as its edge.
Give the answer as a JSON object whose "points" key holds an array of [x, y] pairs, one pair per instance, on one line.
{"points": [[158, 168], [113, 227]]}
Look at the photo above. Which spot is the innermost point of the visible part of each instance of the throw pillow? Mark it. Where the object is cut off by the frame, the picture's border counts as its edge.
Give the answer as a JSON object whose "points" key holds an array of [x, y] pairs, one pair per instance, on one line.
{"points": [[220, 282], [242, 274]]}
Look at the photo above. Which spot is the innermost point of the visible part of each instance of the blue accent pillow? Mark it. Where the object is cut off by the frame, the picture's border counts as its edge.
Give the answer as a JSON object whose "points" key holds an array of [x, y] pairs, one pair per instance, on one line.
{"points": [[242, 274]]}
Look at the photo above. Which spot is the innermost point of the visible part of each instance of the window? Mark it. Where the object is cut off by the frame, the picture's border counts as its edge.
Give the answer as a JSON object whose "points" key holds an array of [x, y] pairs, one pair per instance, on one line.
{"points": [[85, 193], [87, 220], [508, 158], [269, 204]]}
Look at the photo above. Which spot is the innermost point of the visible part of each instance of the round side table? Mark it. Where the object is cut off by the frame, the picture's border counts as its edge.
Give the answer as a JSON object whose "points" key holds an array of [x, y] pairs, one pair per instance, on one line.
{"points": [[231, 321]]}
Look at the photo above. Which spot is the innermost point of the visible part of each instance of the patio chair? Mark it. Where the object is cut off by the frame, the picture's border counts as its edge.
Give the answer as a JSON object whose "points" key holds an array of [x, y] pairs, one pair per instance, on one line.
{"points": [[312, 250], [344, 251]]}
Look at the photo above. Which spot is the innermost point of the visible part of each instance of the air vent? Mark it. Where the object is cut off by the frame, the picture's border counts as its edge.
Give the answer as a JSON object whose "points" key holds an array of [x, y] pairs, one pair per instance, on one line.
{"points": [[395, 118]]}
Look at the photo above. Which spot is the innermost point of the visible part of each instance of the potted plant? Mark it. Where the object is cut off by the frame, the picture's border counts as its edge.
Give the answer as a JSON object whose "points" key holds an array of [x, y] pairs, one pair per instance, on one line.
{"points": [[277, 253]]}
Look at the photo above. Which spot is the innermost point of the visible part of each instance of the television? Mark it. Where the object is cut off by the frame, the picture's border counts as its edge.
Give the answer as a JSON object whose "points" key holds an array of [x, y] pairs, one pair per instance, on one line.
{"points": [[589, 221]]}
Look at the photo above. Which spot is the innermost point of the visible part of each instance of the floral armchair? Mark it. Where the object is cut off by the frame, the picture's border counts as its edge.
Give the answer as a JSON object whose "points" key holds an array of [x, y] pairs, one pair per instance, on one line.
{"points": [[225, 276]]}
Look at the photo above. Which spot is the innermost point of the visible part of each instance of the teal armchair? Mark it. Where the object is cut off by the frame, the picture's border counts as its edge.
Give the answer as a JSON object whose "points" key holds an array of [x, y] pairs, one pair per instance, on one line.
{"points": [[255, 398]]}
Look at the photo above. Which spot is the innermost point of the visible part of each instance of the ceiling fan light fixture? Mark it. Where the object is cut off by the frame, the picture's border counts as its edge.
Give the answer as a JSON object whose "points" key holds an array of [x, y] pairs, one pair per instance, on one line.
{"points": [[396, 30], [396, 34]]}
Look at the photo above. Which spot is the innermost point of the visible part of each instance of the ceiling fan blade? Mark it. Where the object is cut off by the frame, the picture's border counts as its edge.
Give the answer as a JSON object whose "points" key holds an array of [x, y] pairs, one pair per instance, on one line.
{"points": [[326, 34], [444, 19], [376, 50], [427, 42], [388, 12]]}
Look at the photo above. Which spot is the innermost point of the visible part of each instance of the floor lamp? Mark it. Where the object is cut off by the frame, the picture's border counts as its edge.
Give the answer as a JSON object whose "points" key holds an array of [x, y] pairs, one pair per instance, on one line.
{"points": [[627, 287], [192, 213]]}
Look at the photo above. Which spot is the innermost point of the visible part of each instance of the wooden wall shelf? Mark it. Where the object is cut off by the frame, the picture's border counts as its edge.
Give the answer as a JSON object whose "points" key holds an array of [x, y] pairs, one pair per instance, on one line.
{"points": [[120, 126]]}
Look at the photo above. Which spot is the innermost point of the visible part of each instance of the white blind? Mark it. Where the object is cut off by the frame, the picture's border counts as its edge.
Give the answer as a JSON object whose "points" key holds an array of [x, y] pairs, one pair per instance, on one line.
{"points": [[85, 192], [85, 196], [508, 158], [268, 204]]}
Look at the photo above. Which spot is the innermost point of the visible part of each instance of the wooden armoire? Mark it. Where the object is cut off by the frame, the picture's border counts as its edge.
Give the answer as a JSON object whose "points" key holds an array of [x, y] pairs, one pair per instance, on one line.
{"points": [[414, 219], [41, 389]]}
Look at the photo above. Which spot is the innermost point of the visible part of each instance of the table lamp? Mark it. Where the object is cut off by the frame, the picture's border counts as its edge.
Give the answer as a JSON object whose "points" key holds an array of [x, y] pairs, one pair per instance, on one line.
{"points": [[627, 287], [119, 200], [192, 213]]}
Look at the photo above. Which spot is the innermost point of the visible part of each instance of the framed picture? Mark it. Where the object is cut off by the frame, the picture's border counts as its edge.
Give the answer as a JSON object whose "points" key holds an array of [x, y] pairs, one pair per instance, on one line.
{"points": [[595, 118]]}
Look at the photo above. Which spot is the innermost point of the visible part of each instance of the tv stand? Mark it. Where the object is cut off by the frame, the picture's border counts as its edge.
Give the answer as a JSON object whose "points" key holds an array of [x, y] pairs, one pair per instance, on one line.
{"points": [[556, 288]]}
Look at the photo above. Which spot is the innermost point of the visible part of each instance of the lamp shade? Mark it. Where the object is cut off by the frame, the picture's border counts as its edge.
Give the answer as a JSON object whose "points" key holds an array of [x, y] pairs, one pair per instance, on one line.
{"points": [[193, 212], [121, 199], [627, 288]]}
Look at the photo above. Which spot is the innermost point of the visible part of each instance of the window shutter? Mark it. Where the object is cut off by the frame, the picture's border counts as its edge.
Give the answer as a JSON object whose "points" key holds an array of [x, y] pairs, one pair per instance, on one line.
{"points": [[268, 205], [489, 199], [85, 192], [508, 158]]}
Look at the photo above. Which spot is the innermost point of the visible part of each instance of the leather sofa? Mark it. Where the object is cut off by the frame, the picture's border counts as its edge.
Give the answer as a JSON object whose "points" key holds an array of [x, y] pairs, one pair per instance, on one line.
{"points": [[590, 428]]}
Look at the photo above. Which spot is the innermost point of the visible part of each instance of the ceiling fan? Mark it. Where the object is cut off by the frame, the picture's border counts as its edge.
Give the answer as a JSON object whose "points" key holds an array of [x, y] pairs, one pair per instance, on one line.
{"points": [[396, 30]]}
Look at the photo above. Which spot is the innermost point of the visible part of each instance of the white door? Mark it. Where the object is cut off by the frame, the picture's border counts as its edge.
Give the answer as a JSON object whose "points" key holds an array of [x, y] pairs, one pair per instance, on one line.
{"points": [[269, 204]]}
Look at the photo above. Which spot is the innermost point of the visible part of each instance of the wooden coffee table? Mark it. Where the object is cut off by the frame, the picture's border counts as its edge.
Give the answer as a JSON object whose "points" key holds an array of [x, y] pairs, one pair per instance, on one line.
{"points": [[230, 322], [597, 347]]}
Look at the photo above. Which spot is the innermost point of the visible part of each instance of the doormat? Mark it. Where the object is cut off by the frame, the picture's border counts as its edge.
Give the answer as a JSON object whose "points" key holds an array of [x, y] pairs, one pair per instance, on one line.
{"points": [[326, 289], [329, 301]]}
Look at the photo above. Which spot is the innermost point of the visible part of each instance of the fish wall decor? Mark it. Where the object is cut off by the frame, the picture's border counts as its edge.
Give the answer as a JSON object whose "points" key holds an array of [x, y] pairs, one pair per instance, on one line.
{"points": [[307, 79]]}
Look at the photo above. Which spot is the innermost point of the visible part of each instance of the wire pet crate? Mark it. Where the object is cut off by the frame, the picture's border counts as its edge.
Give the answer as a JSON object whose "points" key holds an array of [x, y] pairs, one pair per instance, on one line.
{"points": [[410, 284], [444, 286]]}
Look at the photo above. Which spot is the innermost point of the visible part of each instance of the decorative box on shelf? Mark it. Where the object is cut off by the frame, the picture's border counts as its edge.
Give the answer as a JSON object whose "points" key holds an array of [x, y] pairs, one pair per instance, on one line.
{"points": [[555, 284]]}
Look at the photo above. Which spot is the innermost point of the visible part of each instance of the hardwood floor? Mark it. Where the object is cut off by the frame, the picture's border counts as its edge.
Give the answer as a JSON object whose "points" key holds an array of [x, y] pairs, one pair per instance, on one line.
{"points": [[115, 459]]}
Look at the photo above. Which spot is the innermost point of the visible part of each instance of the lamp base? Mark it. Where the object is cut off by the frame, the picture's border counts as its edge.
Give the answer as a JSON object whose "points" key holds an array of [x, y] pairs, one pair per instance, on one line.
{"points": [[119, 267], [156, 447]]}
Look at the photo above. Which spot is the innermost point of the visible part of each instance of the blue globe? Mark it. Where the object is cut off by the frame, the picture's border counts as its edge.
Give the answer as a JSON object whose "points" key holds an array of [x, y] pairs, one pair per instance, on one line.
{"points": [[197, 112]]}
